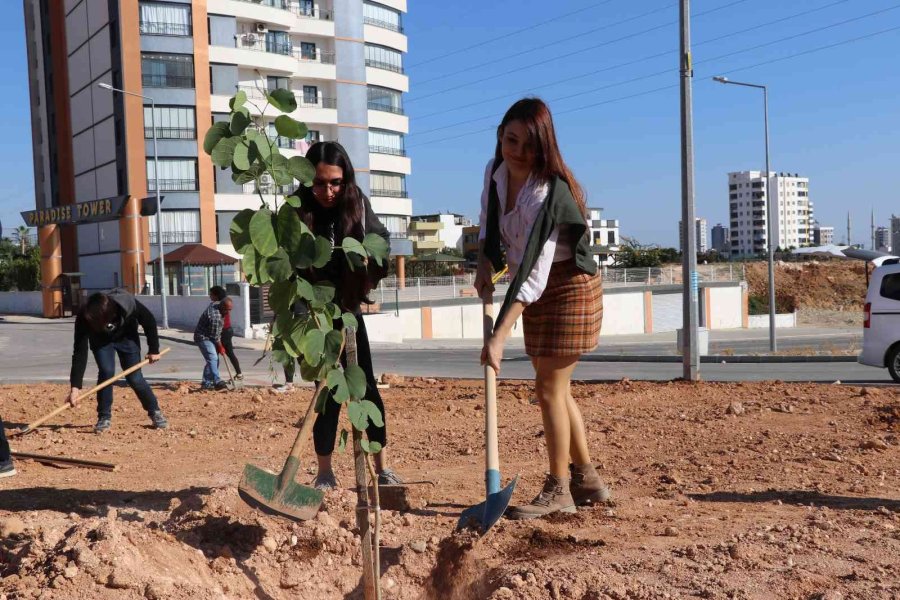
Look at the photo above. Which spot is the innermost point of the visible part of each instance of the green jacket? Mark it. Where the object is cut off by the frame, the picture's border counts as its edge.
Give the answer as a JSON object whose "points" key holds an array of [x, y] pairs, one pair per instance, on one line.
{"points": [[560, 208]]}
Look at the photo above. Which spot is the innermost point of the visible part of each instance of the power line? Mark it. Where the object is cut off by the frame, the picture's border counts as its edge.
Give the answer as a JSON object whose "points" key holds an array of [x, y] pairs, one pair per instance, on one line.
{"points": [[629, 63], [567, 55], [656, 90], [670, 70], [507, 35], [544, 46]]}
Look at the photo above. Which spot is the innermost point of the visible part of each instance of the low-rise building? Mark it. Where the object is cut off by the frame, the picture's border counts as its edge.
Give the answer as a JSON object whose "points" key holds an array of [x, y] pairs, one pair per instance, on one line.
{"points": [[451, 230], [604, 236]]}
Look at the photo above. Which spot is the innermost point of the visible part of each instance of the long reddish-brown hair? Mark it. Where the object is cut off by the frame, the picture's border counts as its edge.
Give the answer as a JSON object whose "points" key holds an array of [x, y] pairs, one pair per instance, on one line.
{"points": [[534, 114]]}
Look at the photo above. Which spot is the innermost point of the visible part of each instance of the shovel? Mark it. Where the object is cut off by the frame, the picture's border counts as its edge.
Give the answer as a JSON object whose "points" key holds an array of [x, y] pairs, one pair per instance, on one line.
{"points": [[236, 384], [279, 494], [484, 515]]}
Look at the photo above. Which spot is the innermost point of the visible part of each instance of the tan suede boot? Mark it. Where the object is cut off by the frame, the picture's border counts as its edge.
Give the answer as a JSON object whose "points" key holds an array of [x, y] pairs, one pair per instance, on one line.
{"points": [[555, 497], [586, 486]]}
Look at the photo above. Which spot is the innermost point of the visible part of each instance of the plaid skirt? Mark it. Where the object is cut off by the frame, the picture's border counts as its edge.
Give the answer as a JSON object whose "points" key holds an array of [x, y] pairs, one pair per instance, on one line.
{"points": [[565, 320]]}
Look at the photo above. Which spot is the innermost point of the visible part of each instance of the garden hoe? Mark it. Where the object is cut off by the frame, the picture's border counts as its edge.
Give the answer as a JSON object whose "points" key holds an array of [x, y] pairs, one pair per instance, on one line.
{"points": [[236, 384], [484, 515], [280, 494]]}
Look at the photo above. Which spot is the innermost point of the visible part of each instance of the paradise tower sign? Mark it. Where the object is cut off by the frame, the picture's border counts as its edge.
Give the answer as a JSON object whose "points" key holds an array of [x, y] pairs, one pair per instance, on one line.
{"points": [[105, 209]]}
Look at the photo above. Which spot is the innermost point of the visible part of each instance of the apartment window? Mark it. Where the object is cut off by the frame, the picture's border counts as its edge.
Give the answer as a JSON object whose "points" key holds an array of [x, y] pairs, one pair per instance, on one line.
{"points": [[281, 142], [310, 94], [386, 142], [313, 136], [389, 185], [178, 227], [397, 225], [175, 175], [167, 70], [172, 123], [384, 58], [308, 51], [382, 16], [278, 42], [278, 83], [165, 19], [385, 99]]}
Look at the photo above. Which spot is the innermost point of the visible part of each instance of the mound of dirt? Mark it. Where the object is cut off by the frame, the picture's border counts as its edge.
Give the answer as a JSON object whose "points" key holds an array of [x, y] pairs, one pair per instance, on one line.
{"points": [[826, 285]]}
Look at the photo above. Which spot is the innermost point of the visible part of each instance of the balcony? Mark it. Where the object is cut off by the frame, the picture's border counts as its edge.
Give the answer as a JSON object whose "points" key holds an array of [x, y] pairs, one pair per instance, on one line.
{"points": [[397, 110], [175, 237], [164, 80], [387, 150], [255, 51], [172, 185], [389, 193], [299, 11], [383, 24], [171, 133], [164, 28], [377, 64]]}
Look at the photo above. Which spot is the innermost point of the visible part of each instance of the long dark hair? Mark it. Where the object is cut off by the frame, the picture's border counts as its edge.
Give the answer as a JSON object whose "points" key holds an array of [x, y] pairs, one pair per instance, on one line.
{"points": [[548, 161], [344, 219], [99, 312]]}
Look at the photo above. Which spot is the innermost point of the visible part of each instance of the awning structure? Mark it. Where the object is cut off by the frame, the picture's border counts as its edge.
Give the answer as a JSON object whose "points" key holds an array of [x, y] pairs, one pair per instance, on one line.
{"points": [[196, 254]]}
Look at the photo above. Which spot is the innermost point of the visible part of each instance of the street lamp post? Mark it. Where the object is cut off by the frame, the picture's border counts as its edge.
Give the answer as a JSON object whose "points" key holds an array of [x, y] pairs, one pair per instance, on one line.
{"points": [[159, 232], [770, 234]]}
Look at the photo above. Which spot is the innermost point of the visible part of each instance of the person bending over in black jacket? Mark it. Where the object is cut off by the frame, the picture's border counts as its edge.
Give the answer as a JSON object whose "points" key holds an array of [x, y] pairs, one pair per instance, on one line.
{"points": [[108, 324]]}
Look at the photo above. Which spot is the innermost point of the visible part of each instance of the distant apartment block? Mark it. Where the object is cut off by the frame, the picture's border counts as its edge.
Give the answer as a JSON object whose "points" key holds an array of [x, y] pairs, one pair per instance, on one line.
{"points": [[702, 240], [604, 234], [823, 236], [747, 202], [720, 240], [883, 239], [895, 234], [451, 231]]}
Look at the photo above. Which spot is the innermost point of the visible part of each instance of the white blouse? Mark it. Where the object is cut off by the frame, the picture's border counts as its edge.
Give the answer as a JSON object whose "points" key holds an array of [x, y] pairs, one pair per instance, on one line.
{"points": [[515, 229]]}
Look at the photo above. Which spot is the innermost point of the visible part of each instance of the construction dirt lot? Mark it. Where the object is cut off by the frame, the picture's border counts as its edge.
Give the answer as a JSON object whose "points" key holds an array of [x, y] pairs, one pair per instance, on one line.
{"points": [[737, 491]]}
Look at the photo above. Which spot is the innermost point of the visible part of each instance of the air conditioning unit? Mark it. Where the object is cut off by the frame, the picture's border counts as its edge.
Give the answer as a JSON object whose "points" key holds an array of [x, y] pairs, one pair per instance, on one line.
{"points": [[265, 179], [261, 28], [250, 39]]}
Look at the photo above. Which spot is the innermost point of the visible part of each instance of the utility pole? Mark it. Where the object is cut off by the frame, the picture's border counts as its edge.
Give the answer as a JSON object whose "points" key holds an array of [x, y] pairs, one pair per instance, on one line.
{"points": [[690, 279], [848, 229], [873, 229]]}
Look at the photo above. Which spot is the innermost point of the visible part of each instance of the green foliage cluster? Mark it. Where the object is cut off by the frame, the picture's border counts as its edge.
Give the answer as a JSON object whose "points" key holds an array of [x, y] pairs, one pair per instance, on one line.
{"points": [[276, 246], [19, 271]]}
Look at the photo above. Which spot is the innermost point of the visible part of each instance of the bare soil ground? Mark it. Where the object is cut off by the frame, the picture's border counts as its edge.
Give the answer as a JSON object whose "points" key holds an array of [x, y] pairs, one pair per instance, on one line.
{"points": [[722, 491], [830, 285]]}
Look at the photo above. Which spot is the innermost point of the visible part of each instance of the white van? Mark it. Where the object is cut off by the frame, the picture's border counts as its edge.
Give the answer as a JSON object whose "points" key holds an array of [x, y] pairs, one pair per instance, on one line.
{"points": [[881, 327]]}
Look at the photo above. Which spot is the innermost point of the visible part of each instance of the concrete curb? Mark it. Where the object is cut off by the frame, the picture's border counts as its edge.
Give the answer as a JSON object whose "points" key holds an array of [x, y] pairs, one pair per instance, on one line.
{"points": [[713, 359]]}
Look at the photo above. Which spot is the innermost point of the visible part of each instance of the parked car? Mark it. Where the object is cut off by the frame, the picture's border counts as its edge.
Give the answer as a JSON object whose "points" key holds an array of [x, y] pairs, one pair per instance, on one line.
{"points": [[881, 327]]}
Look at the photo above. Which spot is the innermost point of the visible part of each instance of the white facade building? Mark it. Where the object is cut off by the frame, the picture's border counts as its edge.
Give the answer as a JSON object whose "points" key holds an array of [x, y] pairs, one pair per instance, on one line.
{"points": [[747, 201], [451, 232], [604, 237], [823, 236], [702, 239]]}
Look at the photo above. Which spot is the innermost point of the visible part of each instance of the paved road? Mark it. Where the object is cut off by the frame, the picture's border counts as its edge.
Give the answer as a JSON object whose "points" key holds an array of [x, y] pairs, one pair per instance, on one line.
{"points": [[41, 351]]}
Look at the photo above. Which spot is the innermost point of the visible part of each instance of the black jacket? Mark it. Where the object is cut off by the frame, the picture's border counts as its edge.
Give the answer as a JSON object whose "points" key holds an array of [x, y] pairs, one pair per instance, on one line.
{"points": [[131, 314]]}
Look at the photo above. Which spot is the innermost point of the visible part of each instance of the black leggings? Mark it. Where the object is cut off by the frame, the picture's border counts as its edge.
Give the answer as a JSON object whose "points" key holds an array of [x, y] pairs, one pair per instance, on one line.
{"points": [[4, 445], [326, 425], [228, 343]]}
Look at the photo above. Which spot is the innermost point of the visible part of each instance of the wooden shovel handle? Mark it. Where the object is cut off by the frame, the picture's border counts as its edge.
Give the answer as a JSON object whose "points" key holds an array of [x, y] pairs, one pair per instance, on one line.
{"points": [[307, 424], [93, 390]]}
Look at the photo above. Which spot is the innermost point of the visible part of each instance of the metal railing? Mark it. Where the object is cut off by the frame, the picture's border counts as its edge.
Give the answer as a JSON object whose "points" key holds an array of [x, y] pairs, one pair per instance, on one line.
{"points": [[266, 188], [259, 43], [397, 110], [670, 275], [387, 150], [302, 101], [167, 81], [164, 28], [301, 11], [383, 24], [377, 64], [389, 193], [171, 133], [172, 185], [176, 237]]}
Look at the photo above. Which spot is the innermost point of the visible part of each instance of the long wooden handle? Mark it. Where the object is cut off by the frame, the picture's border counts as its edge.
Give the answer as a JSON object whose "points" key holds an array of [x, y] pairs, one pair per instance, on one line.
{"points": [[492, 447], [307, 424], [93, 390], [61, 460]]}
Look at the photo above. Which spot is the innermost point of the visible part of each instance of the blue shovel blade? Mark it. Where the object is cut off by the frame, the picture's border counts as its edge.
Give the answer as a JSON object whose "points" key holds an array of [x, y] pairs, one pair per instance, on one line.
{"points": [[485, 514]]}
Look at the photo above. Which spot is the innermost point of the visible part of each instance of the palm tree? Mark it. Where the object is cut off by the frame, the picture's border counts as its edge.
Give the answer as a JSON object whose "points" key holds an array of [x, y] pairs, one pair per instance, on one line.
{"points": [[22, 237]]}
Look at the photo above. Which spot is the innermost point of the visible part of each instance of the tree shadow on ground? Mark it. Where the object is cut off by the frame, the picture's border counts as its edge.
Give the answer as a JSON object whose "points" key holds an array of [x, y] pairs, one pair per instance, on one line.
{"points": [[89, 502], [802, 498]]}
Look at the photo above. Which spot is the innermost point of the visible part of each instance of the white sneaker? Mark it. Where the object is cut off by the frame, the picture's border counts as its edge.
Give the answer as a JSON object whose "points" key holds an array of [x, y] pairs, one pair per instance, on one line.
{"points": [[284, 388]]}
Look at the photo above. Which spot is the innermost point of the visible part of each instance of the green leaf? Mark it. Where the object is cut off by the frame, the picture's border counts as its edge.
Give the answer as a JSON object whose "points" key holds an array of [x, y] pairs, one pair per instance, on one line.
{"points": [[279, 169], [262, 145], [323, 252], [312, 345], [281, 295], [279, 266], [223, 153], [333, 345], [283, 100], [322, 397], [305, 253], [305, 290], [302, 170], [377, 247], [251, 174], [215, 134], [342, 442], [254, 266], [241, 156], [369, 447], [313, 373], [349, 321], [290, 229], [356, 381], [262, 232], [372, 411], [239, 121], [238, 100], [357, 415], [338, 386], [293, 200], [333, 310], [324, 293], [289, 127], [240, 230], [351, 245], [282, 357]]}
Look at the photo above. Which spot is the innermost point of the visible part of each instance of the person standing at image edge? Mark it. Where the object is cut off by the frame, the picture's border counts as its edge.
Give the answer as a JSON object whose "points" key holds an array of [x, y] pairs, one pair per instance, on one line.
{"points": [[533, 205]]}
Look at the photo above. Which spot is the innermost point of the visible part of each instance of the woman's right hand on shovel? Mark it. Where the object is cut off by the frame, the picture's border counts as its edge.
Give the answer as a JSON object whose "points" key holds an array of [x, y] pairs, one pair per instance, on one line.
{"points": [[73, 396], [483, 284]]}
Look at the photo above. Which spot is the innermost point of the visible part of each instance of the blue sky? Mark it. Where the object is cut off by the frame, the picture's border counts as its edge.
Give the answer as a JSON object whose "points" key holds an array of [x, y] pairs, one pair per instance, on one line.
{"points": [[834, 114]]}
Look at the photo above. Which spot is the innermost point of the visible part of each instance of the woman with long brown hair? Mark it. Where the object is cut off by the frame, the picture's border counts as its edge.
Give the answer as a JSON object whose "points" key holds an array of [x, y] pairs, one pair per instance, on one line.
{"points": [[334, 207], [534, 207]]}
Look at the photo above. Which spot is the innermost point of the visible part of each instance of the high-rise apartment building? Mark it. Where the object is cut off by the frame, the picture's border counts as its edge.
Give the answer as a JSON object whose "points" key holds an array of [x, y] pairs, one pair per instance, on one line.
{"points": [[895, 234], [720, 241], [700, 229], [747, 201], [883, 239], [343, 59]]}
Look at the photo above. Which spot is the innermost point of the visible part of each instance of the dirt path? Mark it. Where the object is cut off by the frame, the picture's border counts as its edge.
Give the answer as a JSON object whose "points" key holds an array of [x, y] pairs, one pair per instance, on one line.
{"points": [[796, 497]]}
